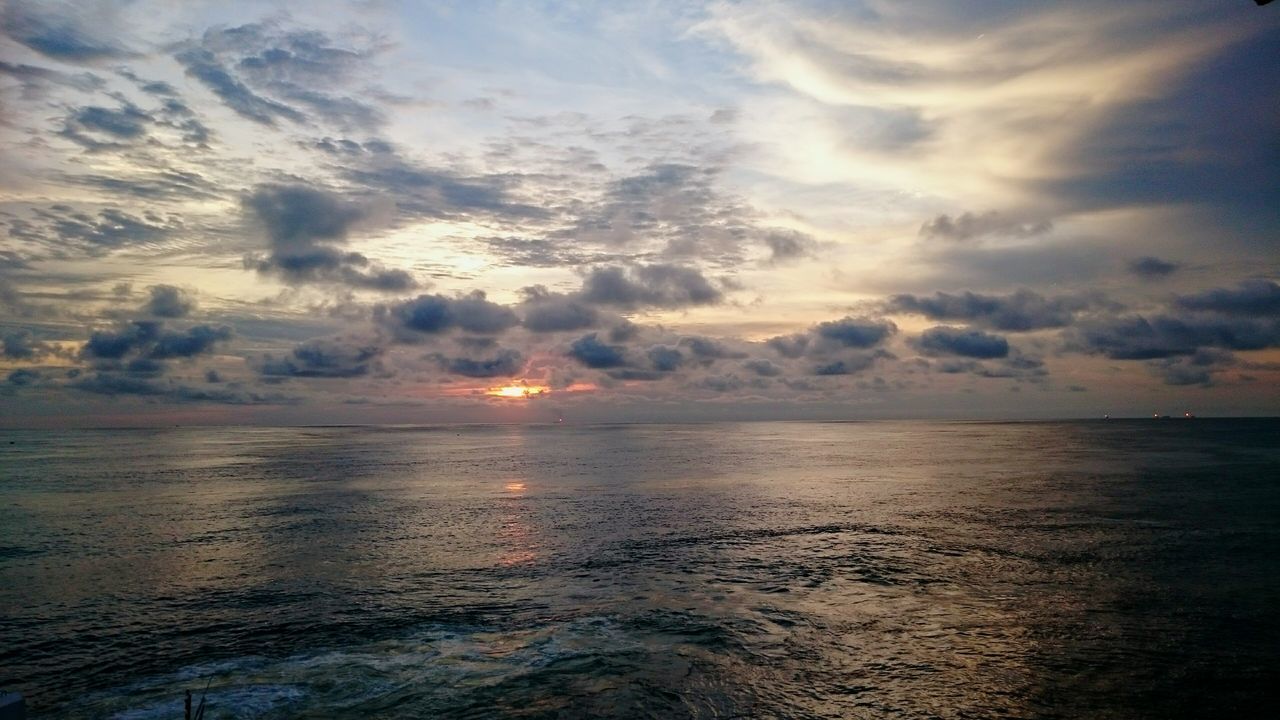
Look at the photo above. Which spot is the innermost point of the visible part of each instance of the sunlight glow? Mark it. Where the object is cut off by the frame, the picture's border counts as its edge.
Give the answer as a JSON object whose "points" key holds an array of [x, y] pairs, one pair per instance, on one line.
{"points": [[518, 391]]}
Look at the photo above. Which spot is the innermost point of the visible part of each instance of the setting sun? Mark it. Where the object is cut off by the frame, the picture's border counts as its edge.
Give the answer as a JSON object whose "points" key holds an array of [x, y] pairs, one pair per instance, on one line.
{"points": [[517, 391]]}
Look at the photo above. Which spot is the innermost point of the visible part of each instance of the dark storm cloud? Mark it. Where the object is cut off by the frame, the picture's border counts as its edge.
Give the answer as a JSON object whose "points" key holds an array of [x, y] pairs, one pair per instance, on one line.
{"points": [[169, 301], [323, 358], [57, 31], [968, 225], [473, 313], [1020, 311], [298, 214], [23, 345], [1014, 367], [1163, 336], [850, 365], [636, 375], [434, 314], [855, 332], [1197, 368], [708, 349], [1149, 267], [555, 312], [665, 359], [424, 314], [659, 285], [504, 364], [113, 384], [23, 377], [945, 340], [720, 383], [150, 340], [830, 343], [303, 224], [1251, 298], [1198, 141], [593, 353], [762, 367], [789, 346]]}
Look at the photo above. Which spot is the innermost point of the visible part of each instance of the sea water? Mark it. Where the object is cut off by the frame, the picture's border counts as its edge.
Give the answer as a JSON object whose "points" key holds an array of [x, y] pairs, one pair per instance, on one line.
{"points": [[1118, 569]]}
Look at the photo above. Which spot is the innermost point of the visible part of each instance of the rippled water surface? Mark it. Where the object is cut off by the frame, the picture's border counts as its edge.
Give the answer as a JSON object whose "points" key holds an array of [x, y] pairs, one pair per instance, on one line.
{"points": [[955, 570]]}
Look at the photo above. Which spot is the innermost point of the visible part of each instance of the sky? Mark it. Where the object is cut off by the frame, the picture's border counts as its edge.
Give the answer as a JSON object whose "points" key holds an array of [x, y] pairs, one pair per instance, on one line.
{"points": [[385, 212]]}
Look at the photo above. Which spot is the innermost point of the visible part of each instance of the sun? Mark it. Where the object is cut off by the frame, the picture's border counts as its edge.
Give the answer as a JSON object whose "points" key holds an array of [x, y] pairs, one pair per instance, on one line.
{"points": [[517, 392]]}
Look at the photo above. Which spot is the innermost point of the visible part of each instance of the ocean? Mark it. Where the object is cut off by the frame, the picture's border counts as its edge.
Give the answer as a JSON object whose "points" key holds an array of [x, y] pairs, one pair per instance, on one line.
{"points": [[1103, 569]]}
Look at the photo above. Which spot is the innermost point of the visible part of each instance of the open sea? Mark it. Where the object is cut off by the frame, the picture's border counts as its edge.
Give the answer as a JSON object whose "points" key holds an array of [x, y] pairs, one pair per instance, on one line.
{"points": [[1108, 569]]}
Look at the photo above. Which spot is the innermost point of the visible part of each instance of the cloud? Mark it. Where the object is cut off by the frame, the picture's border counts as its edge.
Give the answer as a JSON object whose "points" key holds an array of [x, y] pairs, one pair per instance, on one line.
{"points": [[298, 214], [665, 359], [62, 229], [1251, 298], [265, 74], [505, 364], [165, 184], [303, 225], [323, 358], [850, 365], [168, 301], [433, 193], [554, 312], [23, 377], [434, 314], [1020, 311], [786, 245], [829, 344], [658, 285], [762, 367], [1149, 268], [1197, 368], [789, 346], [673, 210], [997, 82], [58, 31], [120, 125], [197, 340], [855, 332], [149, 340], [1015, 367], [708, 349], [665, 202], [721, 383], [22, 345], [204, 66], [943, 340], [967, 226], [112, 384], [1163, 336], [36, 81], [589, 351]]}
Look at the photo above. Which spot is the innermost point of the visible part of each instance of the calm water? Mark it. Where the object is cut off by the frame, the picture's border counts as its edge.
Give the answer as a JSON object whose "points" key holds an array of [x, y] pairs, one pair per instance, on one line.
{"points": [[955, 570]]}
